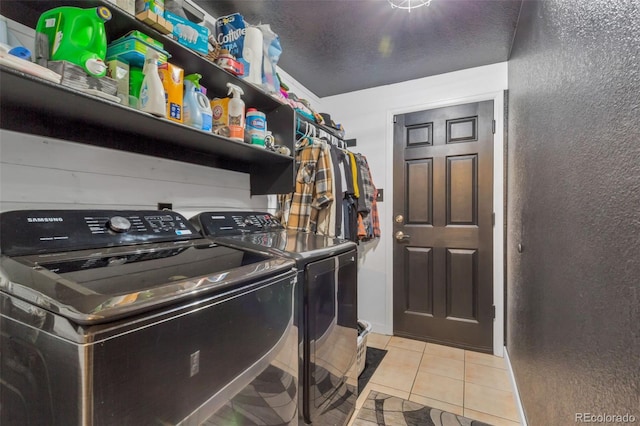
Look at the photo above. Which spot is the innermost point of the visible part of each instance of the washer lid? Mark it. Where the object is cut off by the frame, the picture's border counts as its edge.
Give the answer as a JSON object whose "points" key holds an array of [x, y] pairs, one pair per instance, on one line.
{"points": [[290, 243], [100, 285], [261, 231]]}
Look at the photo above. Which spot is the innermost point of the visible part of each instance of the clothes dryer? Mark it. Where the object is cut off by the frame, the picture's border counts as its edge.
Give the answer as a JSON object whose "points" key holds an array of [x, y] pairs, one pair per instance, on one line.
{"points": [[326, 305]]}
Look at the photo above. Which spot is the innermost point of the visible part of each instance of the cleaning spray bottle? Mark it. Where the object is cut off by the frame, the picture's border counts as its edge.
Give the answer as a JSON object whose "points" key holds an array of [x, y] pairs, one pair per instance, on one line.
{"points": [[236, 113], [196, 107], [152, 92]]}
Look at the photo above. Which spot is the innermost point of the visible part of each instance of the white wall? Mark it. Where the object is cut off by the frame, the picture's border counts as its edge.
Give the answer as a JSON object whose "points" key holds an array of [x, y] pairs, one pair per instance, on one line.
{"points": [[368, 117], [38, 173]]}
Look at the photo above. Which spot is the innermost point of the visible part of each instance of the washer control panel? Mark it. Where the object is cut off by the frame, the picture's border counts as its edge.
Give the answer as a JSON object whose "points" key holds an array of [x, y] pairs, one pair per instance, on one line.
{"points": [[48, 231], [235, 223]]}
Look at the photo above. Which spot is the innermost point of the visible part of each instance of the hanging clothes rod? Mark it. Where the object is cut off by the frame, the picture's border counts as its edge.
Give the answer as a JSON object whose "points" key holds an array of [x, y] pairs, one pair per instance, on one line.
{"points": [[306, 128]]}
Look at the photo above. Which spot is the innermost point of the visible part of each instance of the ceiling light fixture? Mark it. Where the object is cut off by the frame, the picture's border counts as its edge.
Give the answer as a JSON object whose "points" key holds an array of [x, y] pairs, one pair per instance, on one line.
{"points": [[408, 4]]}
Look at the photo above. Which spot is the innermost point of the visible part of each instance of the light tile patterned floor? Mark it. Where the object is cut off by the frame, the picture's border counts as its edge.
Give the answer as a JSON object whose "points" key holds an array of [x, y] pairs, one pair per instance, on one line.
{"points": [[466, 383]]}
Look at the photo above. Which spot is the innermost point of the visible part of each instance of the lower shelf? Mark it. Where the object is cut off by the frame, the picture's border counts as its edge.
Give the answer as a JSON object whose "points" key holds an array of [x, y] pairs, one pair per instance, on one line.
{"points": [[31, 105]]}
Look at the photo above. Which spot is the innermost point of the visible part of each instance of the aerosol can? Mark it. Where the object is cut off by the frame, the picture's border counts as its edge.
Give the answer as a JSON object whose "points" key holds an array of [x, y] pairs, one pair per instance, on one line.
{"points": [[236, 113]]}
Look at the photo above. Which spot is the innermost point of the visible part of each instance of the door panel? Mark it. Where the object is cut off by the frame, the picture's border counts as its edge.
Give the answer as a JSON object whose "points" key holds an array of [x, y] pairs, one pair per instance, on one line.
{"points": [[419, 205], [420, 135], [419, 294], [462, 185], [443, 187], [462, 284], [462, 130]]}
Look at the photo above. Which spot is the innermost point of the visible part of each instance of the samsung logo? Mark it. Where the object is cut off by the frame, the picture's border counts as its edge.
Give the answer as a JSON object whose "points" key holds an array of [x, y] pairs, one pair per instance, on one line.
{"points": [[44, 219]]}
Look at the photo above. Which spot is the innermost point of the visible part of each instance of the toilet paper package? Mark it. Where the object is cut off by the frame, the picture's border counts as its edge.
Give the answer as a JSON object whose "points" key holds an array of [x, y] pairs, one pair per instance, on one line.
{"points": [[230, 35]]}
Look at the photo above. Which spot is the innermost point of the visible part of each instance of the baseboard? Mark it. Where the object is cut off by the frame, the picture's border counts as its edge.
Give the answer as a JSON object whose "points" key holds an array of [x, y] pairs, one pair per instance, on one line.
{"points": [[381, 328], [514, 386]]}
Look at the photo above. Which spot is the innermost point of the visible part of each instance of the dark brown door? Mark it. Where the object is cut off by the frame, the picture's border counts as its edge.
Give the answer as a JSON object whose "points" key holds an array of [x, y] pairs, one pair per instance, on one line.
{"points": [[443, 231]]}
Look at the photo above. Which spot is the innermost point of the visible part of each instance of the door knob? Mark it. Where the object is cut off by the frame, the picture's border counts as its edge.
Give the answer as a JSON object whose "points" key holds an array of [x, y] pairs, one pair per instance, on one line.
{"points": [[399, 218], [401, 236]]}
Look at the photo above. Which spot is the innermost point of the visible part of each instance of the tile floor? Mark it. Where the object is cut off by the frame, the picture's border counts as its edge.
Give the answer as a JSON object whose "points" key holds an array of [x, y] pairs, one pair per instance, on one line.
{"points": [[470, 384]]}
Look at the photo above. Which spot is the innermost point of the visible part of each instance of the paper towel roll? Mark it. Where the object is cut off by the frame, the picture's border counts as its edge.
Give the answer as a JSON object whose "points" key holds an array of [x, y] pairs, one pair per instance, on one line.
{"points": [[252, 54]]}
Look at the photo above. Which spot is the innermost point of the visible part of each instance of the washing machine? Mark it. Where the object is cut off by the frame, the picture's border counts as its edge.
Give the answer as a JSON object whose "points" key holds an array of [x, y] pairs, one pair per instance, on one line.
{"points": [[132, 318], [326, 305]]}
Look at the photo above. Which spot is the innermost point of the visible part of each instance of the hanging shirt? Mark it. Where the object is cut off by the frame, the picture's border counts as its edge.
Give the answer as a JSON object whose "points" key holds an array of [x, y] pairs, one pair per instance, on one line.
{"points": [[313, 185], [368, 211], [354, 173], [364, 205], [338, 191], [326, 216]]}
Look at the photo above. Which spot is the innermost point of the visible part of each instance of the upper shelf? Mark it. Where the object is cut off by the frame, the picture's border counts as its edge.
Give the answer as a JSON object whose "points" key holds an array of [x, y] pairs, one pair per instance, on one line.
{"points": [[32, 105], [214, 78]]}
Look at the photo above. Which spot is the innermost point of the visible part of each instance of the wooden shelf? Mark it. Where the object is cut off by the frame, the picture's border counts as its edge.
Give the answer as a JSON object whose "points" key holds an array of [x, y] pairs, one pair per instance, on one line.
{"points": [[31, 105]]}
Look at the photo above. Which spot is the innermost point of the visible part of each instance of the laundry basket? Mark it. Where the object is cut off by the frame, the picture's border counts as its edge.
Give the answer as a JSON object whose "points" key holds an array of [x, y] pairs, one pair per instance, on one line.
{"points": [[364, 328]]}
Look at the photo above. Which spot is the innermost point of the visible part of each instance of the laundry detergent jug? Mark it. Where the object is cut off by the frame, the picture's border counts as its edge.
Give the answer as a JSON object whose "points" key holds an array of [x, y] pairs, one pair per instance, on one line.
{"points": [[75, 35], [196, 107]]}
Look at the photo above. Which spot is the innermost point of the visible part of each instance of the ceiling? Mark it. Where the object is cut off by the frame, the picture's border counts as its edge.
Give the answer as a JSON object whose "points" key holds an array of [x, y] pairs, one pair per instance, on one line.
{"points": [[338, 46]]}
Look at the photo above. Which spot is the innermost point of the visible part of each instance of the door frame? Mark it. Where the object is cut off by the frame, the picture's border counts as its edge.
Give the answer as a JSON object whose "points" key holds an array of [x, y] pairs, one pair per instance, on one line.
{"points": [[498, 204]]}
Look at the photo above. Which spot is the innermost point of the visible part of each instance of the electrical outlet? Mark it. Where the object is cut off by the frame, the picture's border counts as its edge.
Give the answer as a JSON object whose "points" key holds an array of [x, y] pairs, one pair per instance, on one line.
{"points": [[165, 206]]}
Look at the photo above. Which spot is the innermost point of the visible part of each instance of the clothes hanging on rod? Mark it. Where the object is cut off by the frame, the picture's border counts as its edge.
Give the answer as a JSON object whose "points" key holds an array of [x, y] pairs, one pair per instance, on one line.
{"points": [[305, 128], [368, 218], [334, 193]]}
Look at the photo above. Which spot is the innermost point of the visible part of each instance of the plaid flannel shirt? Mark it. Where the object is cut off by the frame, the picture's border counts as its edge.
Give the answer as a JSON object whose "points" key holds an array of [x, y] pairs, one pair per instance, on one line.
{"points": [[369, 219], [312, 197]]}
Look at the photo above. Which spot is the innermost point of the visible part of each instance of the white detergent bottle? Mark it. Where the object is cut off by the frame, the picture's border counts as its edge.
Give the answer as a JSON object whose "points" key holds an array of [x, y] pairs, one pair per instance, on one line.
{"points": [[196, 106], [152, 92], [236, 113]]}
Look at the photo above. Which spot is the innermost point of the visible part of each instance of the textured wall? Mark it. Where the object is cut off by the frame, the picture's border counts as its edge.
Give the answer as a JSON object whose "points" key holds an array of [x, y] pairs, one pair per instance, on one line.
{"points": [[574, 205]]}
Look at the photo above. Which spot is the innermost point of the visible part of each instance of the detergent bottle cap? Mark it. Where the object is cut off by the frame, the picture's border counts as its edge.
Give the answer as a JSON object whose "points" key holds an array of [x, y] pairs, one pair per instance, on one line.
{"points": [[150, 58], [234, 90], [194, 78]]}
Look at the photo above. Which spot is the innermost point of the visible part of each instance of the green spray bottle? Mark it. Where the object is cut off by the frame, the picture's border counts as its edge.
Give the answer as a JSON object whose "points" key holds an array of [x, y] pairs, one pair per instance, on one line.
{"points": [[74, 35]]}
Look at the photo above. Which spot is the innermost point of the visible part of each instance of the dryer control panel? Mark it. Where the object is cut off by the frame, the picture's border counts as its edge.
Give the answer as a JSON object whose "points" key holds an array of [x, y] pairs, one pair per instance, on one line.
{"points": [[235, 223]]}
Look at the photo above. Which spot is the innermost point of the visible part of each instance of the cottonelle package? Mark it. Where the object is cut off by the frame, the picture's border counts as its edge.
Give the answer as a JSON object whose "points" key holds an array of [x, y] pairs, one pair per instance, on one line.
{"points": [[230, 33]]}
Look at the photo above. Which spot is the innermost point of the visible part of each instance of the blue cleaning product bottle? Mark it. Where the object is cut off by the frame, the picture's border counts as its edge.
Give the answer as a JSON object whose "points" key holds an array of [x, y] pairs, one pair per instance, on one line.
{"points": [[196, 106]]}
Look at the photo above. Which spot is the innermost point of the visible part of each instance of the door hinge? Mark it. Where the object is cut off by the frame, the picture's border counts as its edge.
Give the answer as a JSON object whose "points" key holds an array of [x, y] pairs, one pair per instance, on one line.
{"points": [[493, 126], [493, 309], [395, 118], [493, 219]]}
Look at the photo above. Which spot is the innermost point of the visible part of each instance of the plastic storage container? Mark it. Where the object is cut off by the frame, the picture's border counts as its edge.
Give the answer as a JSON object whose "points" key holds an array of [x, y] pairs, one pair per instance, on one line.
{"points": [[133, 47], [361, 356], [256, 127]]}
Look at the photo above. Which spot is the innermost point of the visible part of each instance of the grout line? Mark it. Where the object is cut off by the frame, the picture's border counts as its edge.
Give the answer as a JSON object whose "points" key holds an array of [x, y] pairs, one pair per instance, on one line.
{"points": [[464, 379], [483, 410], [416, 376]]}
